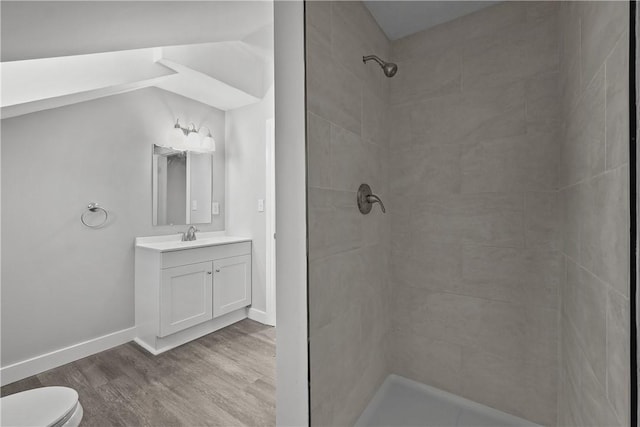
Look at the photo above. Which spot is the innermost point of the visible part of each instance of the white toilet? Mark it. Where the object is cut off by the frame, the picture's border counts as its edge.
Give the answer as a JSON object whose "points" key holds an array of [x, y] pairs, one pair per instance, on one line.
{"points": [[46, 406]]}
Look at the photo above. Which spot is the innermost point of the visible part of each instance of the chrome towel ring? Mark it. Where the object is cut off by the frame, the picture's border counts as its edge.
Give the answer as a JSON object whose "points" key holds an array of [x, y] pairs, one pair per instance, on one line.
{"points": [[94, 207]]}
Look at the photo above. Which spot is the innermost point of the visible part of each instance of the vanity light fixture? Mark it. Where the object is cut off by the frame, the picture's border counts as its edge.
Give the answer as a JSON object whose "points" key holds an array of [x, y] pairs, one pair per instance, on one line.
{"points": [[176, 137], [208, 143], [193, 138], [189, 138]]}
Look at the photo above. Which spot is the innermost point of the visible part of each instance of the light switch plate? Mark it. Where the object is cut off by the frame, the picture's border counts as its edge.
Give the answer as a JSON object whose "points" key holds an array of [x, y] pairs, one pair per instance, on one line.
{"points": [[260, 205], [194, 205], [215, 208]]}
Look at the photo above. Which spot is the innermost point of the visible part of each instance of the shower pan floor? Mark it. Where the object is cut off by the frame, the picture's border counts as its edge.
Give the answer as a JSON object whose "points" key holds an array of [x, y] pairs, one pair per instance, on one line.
{"points": [[402, 402]]}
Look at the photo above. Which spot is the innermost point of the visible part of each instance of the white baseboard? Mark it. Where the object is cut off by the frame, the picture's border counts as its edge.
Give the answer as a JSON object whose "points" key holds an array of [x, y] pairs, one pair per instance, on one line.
{"points": [[44, 362], [146, 346], [259, 316]]}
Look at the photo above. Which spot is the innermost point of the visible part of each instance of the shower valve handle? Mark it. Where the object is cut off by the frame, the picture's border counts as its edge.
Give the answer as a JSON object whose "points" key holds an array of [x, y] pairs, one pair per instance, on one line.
{"points": [[366, 199], [372, 198]]}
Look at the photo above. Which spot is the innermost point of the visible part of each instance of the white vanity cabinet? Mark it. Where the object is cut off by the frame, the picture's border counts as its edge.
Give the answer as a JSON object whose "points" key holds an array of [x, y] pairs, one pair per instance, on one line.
{"points": [[228, 295], [184, 290], [185, 297]]}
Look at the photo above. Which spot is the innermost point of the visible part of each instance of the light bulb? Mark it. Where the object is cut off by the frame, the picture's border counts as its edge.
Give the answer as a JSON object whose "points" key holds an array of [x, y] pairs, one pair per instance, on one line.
{"points": [[209, 143], [193, 140], [175, 138]]}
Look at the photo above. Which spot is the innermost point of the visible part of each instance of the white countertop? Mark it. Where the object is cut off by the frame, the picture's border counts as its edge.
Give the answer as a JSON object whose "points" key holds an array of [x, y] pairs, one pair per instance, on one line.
{"points": [[173, 242]]}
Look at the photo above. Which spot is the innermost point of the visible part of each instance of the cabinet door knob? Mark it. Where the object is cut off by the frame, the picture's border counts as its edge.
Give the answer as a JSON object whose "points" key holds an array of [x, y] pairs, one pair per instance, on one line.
{"points": [[208, 272], [217, 270]]}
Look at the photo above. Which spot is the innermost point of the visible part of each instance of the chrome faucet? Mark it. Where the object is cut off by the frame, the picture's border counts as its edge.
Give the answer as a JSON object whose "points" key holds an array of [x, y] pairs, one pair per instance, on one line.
{"points": [[190, 234]]}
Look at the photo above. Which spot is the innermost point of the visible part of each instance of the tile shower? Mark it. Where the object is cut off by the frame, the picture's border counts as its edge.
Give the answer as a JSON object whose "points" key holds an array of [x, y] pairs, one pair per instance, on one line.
{"points": [[500, 271]]}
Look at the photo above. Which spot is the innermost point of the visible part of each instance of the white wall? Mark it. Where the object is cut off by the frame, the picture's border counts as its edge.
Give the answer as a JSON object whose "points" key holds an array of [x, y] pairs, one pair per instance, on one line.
{"points": [[63, 283], [292, 387], [246, 183]]}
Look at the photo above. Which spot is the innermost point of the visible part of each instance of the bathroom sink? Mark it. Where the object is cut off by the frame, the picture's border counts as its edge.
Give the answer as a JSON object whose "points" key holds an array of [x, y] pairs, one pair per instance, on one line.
{"points": [[173, 242]]}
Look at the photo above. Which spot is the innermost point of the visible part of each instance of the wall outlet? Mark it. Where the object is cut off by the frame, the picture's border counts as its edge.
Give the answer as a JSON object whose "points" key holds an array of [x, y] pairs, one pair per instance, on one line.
{"points": [[260, 205], [215, 208]]}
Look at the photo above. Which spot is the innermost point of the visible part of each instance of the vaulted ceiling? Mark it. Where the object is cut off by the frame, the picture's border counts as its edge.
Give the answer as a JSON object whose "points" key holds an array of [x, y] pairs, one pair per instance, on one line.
{"points": [[61, 53]]}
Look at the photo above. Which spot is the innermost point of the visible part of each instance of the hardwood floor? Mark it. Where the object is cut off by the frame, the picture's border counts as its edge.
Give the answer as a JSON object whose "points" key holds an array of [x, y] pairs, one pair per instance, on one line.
{"points": [[226, 378]]}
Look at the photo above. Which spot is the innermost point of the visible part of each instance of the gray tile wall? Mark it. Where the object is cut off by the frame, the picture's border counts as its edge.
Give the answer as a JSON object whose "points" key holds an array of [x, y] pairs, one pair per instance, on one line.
{"points": [[473, 174], [594, 192], [500, 270], [347, 103]]}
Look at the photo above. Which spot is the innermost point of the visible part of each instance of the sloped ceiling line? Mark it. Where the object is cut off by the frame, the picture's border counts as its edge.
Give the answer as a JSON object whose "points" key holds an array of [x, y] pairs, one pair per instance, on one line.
{"points": [[41, 84]]}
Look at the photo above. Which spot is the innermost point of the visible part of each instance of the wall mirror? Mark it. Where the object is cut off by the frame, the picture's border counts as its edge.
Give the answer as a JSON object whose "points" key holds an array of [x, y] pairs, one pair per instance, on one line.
{"points": [[182, 186]]}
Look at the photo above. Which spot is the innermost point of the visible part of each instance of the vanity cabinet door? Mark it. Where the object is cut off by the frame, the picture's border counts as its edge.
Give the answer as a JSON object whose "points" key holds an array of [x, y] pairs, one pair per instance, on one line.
{"points": [[185, 297], [231, 284]]}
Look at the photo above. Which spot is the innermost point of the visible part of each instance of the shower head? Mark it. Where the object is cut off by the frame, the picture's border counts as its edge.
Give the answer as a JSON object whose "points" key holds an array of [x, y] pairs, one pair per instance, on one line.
{"points": [[390, 69]]}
